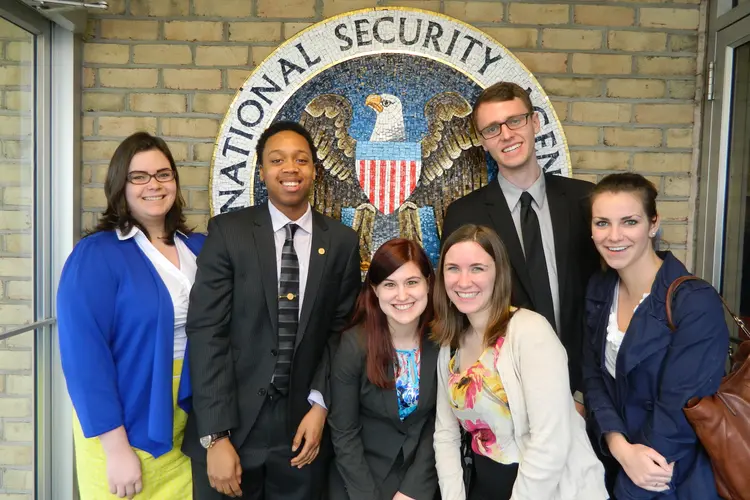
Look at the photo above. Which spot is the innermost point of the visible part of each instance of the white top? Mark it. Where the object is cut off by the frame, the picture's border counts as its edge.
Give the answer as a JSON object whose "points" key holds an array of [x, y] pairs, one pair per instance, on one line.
{"points": [[178, 281], [557, 461], [614, 335], [540, 205]]}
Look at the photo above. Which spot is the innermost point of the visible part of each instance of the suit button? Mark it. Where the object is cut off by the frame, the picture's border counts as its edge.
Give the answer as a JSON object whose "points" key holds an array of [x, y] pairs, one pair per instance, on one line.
{"points": [[274, 352], [261, 392]]}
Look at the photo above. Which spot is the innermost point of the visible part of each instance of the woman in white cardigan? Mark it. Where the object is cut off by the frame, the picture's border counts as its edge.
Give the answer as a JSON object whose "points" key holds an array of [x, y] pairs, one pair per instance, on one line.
{"points": [[503, 377]]}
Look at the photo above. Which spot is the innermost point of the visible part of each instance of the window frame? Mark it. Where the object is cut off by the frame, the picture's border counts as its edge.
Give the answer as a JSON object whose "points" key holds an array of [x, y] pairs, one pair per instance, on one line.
{"points": [[56, 228]]}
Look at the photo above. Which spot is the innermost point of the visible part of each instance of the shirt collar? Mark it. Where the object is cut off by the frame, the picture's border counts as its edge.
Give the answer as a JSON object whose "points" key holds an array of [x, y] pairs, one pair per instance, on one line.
{"points": [[126, 236], [513, 193], [134, 231], [279, 220]]}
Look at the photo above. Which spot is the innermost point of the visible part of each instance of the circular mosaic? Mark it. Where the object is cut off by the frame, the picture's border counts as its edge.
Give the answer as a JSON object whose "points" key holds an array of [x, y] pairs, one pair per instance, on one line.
{"points": [[386, 94]]}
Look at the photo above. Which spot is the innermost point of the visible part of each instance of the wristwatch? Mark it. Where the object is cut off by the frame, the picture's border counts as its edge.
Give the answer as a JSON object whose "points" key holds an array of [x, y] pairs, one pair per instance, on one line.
{"points": [[208, 441]]}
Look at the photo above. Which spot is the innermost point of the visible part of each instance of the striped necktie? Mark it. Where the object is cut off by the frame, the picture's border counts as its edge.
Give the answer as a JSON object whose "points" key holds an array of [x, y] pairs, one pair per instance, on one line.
{"points": [[288, 311]]}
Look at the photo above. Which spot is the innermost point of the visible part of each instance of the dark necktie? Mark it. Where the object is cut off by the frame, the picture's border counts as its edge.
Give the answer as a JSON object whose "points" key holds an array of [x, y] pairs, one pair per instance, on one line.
{"points": [[288, 311], [535, 262]]}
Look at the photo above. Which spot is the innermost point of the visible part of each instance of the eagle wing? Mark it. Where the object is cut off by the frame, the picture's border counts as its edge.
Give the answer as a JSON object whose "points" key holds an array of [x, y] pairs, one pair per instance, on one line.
{"points": [[327, 118], [453, 162]]}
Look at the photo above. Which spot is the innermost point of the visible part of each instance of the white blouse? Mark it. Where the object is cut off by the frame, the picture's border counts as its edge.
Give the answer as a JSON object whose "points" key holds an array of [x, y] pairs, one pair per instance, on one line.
{"points": [[178, 281], [614, 335]]}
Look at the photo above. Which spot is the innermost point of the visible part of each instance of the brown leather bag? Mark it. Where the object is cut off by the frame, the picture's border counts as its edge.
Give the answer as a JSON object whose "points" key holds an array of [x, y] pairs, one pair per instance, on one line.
{"points": [[722, 421]]}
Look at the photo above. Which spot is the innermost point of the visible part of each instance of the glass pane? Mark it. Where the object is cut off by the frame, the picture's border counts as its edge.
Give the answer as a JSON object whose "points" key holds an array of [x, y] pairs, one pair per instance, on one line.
{"points": [[737, 231], [16, 260]]}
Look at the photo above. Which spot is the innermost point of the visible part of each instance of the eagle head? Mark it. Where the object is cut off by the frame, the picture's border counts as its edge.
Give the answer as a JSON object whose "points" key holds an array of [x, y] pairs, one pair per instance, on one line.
{"points": [[389, 124]]}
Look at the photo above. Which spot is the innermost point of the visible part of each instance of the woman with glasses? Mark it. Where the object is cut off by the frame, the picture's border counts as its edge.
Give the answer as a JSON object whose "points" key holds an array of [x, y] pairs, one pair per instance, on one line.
{"points": [[122, 307]]}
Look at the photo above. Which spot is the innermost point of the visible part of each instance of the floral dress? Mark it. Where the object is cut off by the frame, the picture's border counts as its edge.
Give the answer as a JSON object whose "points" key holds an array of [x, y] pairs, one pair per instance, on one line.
{"points": [[479, 402], [407, 382]]}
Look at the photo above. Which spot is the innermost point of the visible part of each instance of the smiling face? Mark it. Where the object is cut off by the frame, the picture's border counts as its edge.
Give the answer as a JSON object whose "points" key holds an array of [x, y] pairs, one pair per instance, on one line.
{"points": [[621, 229], [149, 203], [288, 172], [469, 277], [511, 149], [402, 296]]}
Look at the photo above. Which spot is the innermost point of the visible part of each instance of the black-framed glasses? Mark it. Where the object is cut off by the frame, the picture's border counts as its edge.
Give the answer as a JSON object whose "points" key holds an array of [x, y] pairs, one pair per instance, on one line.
{"points": [[513, 123], [139, 177]]}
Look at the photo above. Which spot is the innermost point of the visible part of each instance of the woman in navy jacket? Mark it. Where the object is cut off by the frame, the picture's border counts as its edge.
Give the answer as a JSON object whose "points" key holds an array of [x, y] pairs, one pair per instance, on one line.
{"points": [[638, 374], [122, 308]]}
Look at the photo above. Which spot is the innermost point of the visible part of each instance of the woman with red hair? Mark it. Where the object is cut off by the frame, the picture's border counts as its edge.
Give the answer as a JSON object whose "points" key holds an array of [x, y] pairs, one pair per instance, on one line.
{"points": [[383, 384]]}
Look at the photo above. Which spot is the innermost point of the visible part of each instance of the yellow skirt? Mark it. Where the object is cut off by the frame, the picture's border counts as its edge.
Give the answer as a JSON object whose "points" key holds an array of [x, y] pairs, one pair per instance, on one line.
{"points": [[165, 478]]}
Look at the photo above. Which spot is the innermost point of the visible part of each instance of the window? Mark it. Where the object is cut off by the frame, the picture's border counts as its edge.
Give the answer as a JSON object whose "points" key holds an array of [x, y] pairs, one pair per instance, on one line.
{"points": [[17, 263]]}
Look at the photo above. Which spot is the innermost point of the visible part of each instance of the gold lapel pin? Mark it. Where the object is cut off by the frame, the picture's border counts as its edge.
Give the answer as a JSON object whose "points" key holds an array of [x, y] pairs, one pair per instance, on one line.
{"points": [[321, 251]]}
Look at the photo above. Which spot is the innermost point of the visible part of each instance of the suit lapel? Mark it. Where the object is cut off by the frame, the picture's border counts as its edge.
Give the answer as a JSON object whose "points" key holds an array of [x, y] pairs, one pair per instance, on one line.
{"points": [[319, 250], [502, 221], [560, 215], [390, 398], [427, 371], [646, 335], [265, 249]]}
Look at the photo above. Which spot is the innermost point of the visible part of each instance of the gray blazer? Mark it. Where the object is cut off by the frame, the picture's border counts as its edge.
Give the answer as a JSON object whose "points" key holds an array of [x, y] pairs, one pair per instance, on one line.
{"points": [[377, 454]]}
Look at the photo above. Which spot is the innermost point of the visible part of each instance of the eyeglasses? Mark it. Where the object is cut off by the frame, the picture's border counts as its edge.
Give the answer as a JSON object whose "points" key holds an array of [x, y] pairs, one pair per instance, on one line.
{"points": [[513, 123], [138, 177]]}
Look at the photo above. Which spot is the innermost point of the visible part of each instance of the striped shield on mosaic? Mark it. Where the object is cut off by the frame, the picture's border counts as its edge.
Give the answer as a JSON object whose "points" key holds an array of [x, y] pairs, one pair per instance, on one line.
{"points": [[388, 172]]}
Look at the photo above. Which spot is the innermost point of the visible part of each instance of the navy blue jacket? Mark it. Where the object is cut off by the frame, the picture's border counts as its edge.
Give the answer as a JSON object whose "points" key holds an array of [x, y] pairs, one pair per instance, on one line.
{"points": [[658, 371]]}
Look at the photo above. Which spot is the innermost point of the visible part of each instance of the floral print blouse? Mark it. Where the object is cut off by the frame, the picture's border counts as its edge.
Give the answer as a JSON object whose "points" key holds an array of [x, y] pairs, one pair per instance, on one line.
{"points": [[479, 402], [407, 383]]}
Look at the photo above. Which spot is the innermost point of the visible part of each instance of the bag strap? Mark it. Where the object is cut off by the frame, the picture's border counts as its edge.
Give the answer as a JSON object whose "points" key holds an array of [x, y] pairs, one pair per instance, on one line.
{"points": [[679, 281]]}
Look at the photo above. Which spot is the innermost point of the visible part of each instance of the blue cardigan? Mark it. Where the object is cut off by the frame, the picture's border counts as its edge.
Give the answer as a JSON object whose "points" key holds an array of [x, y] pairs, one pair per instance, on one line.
{"points": [[657, 372], [116, 326]]}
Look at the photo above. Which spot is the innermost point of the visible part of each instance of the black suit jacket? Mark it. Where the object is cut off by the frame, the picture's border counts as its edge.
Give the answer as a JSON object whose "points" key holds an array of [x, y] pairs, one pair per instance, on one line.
{"points": [[232, 321], [368, 434], [575, 254]]}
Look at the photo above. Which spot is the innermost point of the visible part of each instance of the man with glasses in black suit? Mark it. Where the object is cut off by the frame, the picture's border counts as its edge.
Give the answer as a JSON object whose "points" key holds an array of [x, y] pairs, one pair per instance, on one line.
{"points": [[543, 219]]}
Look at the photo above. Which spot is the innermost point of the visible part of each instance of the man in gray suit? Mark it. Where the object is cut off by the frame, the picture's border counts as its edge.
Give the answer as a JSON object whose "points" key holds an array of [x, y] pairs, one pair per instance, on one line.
{"points": [[275, 285]]}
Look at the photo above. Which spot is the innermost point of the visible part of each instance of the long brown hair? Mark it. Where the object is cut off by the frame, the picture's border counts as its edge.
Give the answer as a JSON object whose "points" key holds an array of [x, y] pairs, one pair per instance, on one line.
{"points": [[117, 215], [370, 317], [449, 323]]}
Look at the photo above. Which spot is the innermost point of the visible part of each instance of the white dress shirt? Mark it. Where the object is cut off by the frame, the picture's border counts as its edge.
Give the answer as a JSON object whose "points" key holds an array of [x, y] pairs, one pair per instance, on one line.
{"points": [[178, 281], [538, 192], [302, 245]]}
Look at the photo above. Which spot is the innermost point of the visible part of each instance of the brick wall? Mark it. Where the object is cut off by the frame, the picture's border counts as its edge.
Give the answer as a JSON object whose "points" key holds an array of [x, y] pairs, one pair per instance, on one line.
{"points": [[622, 76], [16, 195]]}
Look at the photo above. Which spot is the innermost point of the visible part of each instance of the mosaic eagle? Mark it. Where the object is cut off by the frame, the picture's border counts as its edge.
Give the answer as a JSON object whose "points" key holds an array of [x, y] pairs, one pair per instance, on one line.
{"points": [[387, 187]]}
